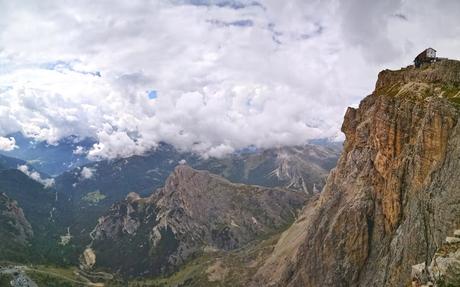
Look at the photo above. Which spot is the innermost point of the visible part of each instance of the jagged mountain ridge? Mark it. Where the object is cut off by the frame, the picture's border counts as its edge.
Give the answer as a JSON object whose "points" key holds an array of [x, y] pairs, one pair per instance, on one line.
{"points": [[194, 212], [394, 194], [302, 168], [51, 211]]}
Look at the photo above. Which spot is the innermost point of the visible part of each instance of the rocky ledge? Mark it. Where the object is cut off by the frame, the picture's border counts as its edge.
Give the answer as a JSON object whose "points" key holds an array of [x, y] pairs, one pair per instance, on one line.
{"points": [[444, 269]]}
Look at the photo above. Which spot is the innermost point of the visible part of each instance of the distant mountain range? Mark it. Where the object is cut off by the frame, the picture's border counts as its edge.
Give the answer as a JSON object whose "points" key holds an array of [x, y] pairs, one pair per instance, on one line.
{"points": [[54, 224], [49, 159], [94, 187]]}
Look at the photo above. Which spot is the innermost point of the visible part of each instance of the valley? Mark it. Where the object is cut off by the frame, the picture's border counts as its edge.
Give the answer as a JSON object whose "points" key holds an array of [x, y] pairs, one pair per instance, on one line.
{"points": [[72, 212]]}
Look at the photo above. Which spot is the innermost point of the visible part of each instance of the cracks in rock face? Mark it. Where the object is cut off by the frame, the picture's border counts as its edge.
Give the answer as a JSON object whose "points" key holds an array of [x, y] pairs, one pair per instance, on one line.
{"points": [[426, 230]]}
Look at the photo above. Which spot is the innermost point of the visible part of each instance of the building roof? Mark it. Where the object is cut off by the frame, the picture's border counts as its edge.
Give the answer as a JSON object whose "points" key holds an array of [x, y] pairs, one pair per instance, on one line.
{"points": [[422, 55]]}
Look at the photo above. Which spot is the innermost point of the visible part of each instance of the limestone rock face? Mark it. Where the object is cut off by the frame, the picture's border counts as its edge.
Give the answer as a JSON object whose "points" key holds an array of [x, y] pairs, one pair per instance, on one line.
{"points": [[195, 211], [394, 194]]}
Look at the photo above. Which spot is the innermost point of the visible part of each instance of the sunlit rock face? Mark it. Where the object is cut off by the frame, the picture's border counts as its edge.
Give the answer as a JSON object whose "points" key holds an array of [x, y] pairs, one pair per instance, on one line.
{"points": [[394, 194]]}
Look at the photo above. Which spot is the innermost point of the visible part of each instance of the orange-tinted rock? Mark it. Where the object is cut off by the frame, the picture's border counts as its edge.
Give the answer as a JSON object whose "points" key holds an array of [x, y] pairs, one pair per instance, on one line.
{"points": [[393, 195]]}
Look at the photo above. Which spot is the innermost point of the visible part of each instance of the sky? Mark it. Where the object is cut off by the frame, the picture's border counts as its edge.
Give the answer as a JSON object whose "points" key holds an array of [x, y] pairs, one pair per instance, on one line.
{"points": [[207, 76]]}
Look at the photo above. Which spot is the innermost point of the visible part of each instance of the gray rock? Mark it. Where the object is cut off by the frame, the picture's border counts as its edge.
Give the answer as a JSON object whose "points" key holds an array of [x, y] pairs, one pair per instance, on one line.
{"points": [[452, 240], [193, 211]]}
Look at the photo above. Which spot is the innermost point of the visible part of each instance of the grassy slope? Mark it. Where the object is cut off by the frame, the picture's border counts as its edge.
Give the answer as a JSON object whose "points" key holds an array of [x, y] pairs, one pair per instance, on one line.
{"points": [[440, 79], [37, 204], [217, 268]]}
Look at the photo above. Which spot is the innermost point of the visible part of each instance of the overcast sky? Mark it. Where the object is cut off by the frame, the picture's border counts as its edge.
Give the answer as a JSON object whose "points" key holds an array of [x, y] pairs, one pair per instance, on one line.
{"points": [[208, 76]]}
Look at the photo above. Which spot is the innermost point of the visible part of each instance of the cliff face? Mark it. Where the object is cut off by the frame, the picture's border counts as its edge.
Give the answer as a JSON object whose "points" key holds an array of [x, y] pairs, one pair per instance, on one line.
{"points": [[194, 212], [394, 194]]}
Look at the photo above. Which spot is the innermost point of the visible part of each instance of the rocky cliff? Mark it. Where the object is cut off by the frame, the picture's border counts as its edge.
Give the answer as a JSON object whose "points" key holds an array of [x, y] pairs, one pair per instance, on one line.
{"points": [[194, 212], [394, 194], [16, 231]]}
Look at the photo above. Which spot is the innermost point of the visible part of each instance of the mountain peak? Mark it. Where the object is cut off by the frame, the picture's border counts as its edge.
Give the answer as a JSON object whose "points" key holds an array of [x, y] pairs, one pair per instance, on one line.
{"points": [[194, 210], [185, 172], [183, 168]]}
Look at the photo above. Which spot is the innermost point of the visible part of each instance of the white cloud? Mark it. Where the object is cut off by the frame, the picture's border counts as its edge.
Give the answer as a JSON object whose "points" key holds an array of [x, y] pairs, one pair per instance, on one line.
{"points": [[46, 182], [7, 144], [79, 150], [226, 75], [87, 172]]}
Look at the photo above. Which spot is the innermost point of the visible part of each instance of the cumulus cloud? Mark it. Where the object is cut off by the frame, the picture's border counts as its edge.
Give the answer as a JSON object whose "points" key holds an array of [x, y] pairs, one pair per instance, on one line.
{"points": [[87, 172], [46, 182], [226, 74], [7, 144], [79, 150], [373, 37]]}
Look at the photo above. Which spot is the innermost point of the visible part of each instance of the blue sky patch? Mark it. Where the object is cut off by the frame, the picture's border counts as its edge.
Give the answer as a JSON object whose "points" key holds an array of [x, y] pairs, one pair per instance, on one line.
{"points": [[152, 94]]}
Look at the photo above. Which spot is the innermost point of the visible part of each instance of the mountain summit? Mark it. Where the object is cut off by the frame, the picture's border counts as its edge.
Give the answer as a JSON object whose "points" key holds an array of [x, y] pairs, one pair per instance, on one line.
{"points": [[195, 211]]}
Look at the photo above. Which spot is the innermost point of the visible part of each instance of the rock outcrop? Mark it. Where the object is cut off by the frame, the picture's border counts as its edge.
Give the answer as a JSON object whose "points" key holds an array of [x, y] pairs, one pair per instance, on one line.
{"points": [[16, 222], [444, 269], [194, 212], [15, 231], [394, 194]]}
